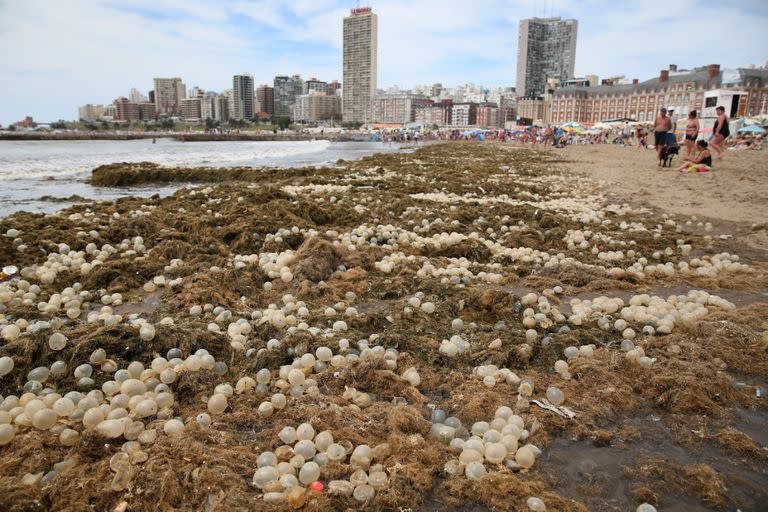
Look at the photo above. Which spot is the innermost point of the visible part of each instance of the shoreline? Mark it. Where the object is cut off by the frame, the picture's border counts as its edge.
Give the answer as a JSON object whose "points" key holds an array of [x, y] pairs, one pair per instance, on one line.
{"points": [[186, 137]]}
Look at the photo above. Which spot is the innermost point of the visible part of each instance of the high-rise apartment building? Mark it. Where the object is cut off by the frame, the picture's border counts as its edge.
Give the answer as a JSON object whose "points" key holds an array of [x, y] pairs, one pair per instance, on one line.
{"points": [[436, 114], [243, 99], [397, 107], [127, 110], [360, 46], [136, 96], [191, 108], [546, 49], [316, 106], [266, 96], [221, 108], [464, 114], [285, 92], [91, 112], [314, 85], [208, 106], [168, 95], [333, 88]]}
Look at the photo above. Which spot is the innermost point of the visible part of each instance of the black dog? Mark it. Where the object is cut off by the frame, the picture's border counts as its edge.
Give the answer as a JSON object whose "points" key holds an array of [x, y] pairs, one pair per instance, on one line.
{"points": [[667, 153]]}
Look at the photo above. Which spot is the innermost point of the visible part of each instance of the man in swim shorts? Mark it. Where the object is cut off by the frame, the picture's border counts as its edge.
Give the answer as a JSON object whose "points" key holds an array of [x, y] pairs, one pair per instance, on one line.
{"points": [[661, 126]]}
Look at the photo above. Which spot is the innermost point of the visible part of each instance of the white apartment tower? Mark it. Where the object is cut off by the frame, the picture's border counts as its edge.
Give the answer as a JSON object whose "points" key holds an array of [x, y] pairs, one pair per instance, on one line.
{"points": [[243, 97], [168, 95], [359, 83]]}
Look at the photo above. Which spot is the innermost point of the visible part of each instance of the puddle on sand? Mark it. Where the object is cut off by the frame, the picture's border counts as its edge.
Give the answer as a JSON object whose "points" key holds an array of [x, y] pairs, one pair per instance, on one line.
{"points": [[596, 477], [148, 305], [754, 424]]}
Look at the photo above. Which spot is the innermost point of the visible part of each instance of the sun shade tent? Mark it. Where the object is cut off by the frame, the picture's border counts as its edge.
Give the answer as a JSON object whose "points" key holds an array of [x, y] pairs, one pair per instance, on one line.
{"points": [[752, 128]]}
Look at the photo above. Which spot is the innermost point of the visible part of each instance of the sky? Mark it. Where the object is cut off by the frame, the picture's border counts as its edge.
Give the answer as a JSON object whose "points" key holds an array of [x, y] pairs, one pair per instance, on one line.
{"points": [[56, 56]]}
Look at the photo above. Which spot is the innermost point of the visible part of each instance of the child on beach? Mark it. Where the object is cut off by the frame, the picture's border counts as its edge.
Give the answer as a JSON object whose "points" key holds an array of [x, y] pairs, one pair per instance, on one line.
{"points": [[702, 162], [691, 133]]}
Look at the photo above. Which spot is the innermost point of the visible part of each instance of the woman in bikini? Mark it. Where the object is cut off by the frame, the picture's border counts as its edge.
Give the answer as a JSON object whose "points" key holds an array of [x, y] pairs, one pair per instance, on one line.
{"points": [[720, 132], [691, 133], [702, 162]]}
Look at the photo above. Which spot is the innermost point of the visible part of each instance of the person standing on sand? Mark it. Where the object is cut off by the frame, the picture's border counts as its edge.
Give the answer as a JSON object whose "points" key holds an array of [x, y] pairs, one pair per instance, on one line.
{"points": [[661, 126], [720, 132], [691, 133], [672, 120]]}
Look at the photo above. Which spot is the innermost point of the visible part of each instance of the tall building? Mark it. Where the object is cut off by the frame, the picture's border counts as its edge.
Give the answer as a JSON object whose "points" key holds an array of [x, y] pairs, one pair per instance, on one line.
{"points": [[191, 108], [488, 115], [285, 92], [243, 100], [168, 95], [130, 111], [360, 40], [135, 96], [437, 114], [314, 85], [91, 112], [546, 49], [221, 108], [397, 107], [266, 96], [464, 114], [333, 88], [208, 106], [316, 106]]}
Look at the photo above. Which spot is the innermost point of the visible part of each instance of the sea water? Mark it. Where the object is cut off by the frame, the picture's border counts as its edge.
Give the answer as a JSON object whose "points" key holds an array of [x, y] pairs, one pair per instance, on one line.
{"points": [[31, 170]]}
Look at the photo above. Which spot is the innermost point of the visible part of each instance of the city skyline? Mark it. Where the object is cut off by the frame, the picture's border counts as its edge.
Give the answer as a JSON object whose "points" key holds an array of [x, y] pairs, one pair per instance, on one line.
{"points": [[96, 51]]}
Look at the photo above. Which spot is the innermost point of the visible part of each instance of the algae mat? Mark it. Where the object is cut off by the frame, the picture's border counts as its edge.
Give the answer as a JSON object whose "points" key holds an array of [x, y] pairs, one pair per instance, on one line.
{"points": [[382, 327]]}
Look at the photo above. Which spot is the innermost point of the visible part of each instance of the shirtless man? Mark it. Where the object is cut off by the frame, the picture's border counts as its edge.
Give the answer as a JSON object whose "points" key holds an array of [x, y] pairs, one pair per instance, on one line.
{"points": [[661, 126]]}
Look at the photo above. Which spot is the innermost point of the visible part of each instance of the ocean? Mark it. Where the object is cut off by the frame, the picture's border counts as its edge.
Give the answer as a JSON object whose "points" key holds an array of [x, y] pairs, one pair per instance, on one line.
{"points": [[32, 170]]}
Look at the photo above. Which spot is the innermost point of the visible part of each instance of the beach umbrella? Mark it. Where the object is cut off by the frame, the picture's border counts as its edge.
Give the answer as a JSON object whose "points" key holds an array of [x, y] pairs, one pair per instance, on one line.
{"points": [[573, 124], [752, 128], [602, 126]]}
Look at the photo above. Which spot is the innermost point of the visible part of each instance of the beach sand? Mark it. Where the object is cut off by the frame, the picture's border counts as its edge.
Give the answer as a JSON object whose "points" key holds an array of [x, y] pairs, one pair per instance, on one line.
{"points": [[735, 193]]}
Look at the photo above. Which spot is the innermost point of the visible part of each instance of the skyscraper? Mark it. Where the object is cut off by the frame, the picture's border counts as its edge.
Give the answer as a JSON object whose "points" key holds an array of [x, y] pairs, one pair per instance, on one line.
{"points": [[242, 93], [266, 97], [546, 49], [168, 95], [360, 40], [135, 96], [314, 85], [285, 92]]}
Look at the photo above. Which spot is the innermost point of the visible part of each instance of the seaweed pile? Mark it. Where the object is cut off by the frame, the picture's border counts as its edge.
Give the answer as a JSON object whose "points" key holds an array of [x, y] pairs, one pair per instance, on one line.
{"points": [[464, 325]]}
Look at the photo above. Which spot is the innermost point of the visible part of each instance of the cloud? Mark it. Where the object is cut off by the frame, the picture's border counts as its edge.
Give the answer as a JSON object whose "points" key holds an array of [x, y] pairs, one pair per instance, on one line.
{"points": [[59, 55]]}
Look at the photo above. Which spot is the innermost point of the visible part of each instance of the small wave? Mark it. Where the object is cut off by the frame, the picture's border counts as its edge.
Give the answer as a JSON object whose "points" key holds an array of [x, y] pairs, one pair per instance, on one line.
{"points": [[71, 162]]}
